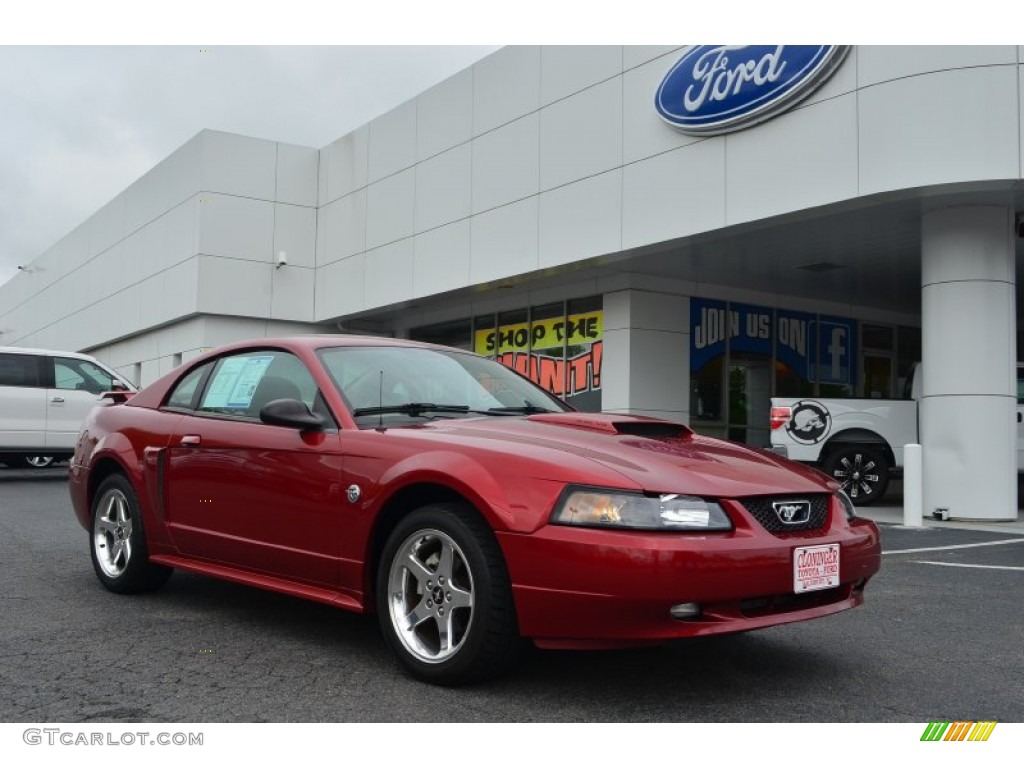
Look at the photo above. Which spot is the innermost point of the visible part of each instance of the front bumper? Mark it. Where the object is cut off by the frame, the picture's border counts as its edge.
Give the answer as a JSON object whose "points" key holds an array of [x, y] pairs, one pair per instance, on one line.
{"points": [[588, 588]]}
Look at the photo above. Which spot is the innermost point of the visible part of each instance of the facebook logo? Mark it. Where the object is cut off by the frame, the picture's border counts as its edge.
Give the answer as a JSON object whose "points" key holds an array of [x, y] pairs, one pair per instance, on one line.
{"points": [[836, 342]]}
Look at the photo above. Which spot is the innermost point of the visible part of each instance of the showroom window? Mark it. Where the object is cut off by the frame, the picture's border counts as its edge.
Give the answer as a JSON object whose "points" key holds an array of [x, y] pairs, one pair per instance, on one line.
{"points": [[743, 355], [559, 346]]}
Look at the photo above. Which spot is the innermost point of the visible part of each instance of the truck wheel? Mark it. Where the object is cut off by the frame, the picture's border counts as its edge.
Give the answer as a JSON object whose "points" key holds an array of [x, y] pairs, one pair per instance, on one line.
{"points": [[862, 471]]}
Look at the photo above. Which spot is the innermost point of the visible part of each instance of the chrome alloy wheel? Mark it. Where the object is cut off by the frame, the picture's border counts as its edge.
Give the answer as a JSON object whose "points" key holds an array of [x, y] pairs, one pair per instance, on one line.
{"points": [[112, 533], [39, 462], [430, 595]]}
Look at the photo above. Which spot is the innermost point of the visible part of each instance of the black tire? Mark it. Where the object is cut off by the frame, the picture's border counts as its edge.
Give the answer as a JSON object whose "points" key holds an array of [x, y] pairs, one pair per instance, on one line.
{"points": [[117, 542], [477, 614], [861, 470]]}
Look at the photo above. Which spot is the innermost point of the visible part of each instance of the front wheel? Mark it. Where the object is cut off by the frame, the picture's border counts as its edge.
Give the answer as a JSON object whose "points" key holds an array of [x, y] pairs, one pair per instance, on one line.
{"points": [[862, 471], [118, 543], [444, 600], [38, 462]]}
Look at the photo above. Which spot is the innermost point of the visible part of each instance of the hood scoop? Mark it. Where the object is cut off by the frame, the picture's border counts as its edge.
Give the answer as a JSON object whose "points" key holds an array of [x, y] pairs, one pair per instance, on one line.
{"points": [[616, 424]]}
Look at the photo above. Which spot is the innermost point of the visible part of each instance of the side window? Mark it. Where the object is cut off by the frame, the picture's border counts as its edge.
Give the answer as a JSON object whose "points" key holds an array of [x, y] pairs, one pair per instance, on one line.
{"points": [[185, 391], [81, 375], [242, 384], [19, 370]]}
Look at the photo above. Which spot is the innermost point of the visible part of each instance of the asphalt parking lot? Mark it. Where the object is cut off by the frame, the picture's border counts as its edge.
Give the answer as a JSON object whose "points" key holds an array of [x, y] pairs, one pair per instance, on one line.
{"points": [[939, 638]]}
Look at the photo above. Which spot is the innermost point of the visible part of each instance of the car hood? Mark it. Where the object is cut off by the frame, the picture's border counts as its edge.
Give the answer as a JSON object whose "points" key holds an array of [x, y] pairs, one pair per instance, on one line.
{"points": [[654, 455]]}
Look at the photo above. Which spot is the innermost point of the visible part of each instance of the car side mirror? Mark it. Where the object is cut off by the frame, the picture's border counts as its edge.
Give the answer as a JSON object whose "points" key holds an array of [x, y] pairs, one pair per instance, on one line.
{"points": [[118, 386], [287, 412]]}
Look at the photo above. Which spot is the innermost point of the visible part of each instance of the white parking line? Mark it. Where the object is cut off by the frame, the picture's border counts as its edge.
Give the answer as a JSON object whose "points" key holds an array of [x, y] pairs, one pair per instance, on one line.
{"points": [[1018, 540], [971, 565]]}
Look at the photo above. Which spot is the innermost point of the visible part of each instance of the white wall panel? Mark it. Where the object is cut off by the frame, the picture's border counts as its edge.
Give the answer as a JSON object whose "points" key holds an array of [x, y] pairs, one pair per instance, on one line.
{"points": [[444, 115], [506, 86], [944, 127], [341, 228], [182, 231], [239, 227], [106, 227], [239, 165], [581, 220], [842, 81], [297, 174], [504, 241], [443, 185], [441, 259], [292, 293], [635, 55], [505, 164], [389, 274], [393, 141], [675, 194], [566, 69], [881, 63], [644, 133], [581, 135], [339, 287], [343, 165], [234, 286], [804, 158], [295, 234], [390, 209]]}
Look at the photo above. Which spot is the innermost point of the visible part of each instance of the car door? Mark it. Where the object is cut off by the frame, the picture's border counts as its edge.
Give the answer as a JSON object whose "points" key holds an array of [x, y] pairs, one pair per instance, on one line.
{"points": [[22, 401], [252, 495], [76, 387]]}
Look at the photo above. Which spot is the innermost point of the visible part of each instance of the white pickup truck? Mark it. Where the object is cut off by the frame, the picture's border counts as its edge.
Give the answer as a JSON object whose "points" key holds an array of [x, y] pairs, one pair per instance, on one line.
{"points": [[859, 442]]}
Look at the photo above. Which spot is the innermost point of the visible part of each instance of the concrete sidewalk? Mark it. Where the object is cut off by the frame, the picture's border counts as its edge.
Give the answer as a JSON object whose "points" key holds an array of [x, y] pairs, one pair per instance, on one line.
{"points": [[889, 509], [894, 515]]}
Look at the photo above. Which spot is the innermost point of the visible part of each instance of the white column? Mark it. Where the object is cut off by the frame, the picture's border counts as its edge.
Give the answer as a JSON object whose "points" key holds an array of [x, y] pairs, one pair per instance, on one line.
{"points": [[968, 407], [646, 366]]}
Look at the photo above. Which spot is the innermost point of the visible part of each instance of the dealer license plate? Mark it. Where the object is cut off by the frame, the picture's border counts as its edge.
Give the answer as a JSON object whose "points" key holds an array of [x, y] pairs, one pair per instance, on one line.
{"points": [[815, 567]]}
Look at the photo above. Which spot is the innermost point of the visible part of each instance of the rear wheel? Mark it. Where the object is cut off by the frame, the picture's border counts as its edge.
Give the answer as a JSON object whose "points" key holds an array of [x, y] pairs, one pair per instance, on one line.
{"points": [[118, 543], [444, 600], [862, 471]]}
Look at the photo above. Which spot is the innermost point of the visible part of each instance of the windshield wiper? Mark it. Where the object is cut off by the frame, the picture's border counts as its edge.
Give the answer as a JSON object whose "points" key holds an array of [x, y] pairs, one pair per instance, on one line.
{"points": [[528, 408], [412, 409]]}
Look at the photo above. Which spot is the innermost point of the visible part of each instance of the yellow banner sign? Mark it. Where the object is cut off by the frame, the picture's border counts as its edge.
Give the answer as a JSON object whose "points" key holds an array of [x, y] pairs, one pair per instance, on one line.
{"points": [[551, 334]]}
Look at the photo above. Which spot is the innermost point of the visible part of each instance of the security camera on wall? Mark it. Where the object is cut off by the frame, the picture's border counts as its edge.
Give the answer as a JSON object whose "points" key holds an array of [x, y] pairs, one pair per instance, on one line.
{"points": [[282, 259]]}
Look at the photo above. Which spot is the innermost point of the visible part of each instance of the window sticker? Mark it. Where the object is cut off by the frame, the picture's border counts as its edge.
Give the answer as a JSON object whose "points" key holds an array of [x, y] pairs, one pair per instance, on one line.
{"points": [[236, 381]]}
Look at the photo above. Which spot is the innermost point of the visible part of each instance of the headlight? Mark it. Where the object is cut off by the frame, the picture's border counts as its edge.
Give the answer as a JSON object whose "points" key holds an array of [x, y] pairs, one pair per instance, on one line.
{"points": [[618, 509], [851, 511]]}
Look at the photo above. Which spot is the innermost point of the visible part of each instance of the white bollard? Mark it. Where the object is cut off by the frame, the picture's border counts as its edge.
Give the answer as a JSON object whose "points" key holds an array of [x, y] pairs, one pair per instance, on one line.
{"points": [[913, 486]]}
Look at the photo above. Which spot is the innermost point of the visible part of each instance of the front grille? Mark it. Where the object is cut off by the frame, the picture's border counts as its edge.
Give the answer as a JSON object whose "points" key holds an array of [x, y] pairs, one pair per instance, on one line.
{"points": [[761, 508]]}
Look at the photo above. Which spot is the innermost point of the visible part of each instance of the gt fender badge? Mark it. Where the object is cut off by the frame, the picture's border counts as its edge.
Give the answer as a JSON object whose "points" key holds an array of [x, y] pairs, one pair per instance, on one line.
{"points": [[353, 492]]}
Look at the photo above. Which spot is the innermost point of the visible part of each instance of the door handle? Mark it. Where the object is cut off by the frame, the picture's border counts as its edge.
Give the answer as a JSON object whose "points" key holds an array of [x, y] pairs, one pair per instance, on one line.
{"points": [[56, 399], [190, 440]]}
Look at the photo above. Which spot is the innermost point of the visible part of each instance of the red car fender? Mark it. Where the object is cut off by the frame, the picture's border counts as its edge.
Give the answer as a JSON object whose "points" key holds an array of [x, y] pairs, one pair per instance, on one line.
{"points": [[507, 502]]}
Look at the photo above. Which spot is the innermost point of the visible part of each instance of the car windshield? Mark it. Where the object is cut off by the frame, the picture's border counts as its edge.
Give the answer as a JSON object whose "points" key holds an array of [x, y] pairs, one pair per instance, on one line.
{"points": [[429, 383]]}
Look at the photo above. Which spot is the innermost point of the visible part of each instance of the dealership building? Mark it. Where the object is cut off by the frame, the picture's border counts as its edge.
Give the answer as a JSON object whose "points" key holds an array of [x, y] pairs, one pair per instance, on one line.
{"points": [[682, 232]]}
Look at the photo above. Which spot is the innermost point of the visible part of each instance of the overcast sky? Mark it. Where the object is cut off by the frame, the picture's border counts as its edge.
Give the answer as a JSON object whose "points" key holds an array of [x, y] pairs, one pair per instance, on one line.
{"points": [[79, 124]]}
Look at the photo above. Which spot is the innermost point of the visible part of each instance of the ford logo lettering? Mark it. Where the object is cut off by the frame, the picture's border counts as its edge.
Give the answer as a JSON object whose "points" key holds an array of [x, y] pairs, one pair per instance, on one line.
{"points": [[721, 88]]}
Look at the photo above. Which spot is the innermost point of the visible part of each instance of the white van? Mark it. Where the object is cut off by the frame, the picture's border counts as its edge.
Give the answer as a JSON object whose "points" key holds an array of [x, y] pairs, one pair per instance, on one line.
{"points": [[44, 398]]}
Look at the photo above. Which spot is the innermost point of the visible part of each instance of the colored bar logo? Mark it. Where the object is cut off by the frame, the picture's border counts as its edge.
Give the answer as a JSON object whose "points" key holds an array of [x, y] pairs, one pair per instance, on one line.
{"points": [[958, 731]]}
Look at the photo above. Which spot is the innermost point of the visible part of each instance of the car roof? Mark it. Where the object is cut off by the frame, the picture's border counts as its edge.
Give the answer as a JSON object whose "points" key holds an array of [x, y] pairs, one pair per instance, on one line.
{"points": [[321, 341], [51, 352]]}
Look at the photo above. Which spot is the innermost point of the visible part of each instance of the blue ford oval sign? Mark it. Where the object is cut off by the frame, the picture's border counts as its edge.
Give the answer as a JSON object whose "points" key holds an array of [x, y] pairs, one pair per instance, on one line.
{"points": [[721, 88]]}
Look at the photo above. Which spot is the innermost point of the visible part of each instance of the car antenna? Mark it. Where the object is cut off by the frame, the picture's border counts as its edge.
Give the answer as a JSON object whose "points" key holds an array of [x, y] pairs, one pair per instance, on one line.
{"points": [[380, 403]]}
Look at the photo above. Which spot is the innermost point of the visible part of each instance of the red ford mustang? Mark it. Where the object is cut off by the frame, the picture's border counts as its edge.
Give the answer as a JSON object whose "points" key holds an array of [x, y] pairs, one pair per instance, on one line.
{"points": [[464, 505]]}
